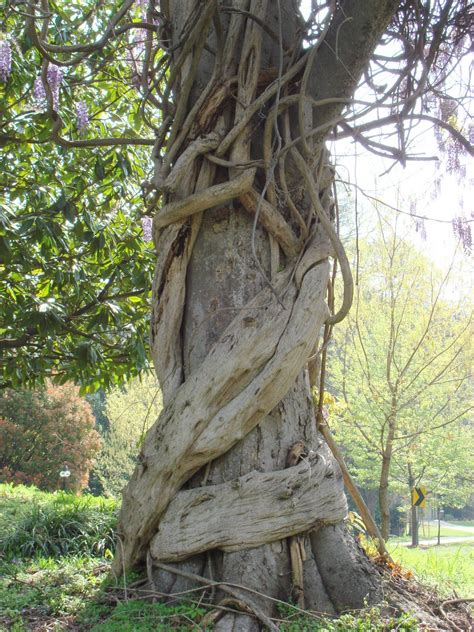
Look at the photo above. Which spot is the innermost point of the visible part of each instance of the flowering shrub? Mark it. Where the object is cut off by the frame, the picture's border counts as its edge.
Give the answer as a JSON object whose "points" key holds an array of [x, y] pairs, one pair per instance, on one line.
{"points": [[75, 148], [41, 431]]}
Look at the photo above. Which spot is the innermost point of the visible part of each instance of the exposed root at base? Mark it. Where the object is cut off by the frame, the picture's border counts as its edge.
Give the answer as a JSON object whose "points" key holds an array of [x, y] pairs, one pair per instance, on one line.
{"points": [[403, 594]]}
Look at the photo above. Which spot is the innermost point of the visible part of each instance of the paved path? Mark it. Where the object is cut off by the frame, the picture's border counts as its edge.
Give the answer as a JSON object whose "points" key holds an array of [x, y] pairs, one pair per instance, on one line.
{"points": [[450, 525], [434, 541]]}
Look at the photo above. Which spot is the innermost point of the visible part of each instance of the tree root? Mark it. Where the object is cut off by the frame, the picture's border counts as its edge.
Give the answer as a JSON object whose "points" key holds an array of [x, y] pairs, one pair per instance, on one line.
{"points": [[233, 590]]}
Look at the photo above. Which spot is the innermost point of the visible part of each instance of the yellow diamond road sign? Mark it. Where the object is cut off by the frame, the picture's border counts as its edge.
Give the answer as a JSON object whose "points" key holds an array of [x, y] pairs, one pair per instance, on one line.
{"points": [[418, 497]]}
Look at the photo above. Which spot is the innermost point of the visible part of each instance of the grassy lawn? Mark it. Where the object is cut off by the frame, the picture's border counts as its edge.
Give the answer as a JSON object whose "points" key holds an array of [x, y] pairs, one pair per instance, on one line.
{"points": [[16, 501], [430, 532], [54, 575], [447, 567], [463, 523]]}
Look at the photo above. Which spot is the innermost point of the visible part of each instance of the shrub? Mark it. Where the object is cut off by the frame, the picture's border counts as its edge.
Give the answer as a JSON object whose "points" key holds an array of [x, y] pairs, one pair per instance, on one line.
{"points": [[43, 430], [66, 526]]}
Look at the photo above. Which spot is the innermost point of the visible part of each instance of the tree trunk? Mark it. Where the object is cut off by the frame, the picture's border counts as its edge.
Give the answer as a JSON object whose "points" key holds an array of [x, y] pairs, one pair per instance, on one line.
{"points": [[237, 311], [414, 525], [384, 499]]}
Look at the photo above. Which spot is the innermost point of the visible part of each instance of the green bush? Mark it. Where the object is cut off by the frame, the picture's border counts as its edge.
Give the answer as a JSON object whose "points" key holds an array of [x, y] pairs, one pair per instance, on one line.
{"points": [[66, 526]]}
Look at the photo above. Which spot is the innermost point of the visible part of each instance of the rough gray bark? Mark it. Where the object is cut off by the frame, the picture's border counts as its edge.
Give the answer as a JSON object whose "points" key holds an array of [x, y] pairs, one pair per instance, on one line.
{"points": [[229, 350], [384, 498], [248, 511]]}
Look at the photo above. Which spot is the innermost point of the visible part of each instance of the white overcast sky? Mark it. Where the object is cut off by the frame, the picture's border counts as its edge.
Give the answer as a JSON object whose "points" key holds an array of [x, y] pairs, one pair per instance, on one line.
{"points": [[412, 185]]}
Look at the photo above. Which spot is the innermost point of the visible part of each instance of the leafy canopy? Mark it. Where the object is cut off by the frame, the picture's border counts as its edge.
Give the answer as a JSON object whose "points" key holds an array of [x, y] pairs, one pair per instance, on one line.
{"points": [[75, 269], [85, 92], [401, 372]]}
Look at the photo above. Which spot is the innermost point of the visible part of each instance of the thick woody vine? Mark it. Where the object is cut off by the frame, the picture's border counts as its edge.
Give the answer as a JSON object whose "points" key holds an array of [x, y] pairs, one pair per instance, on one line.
{"points": [[199, 423]]}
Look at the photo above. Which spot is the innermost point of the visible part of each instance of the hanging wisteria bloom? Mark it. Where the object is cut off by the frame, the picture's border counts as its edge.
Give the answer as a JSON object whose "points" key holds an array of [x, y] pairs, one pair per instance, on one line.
{"points": [[143, 4], [147, 224], [136, 52], [82, 115], [5, 60], [54, 77], [462, 230], [39, 93]]}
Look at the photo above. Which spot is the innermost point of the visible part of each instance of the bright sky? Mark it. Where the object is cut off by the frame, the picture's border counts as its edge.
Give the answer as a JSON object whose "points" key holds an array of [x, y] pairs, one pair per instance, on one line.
{"points": [[413, 186]]}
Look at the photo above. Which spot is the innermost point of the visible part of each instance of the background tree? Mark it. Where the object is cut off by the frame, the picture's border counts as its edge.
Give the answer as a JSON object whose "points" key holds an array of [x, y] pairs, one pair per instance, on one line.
{"points": [[441, 461], [75, 269], [130, 411], [43, 430], [239, 99], [402, 367]]}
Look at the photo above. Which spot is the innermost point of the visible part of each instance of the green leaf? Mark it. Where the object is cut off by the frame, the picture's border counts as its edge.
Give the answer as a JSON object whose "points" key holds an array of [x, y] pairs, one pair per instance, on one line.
{"points": [[99, 168]]}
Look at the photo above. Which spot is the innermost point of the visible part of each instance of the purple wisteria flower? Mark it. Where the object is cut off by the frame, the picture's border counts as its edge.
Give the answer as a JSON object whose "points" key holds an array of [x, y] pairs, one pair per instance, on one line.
{"points": [[5, 60], [462, 230], [82, 115], [39, 93], [54, 77], [143, 5], [147, 224]]}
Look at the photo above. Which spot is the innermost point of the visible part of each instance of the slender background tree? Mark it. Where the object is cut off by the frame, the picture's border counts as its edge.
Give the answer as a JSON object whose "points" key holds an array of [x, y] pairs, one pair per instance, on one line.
{"points": [[401, 365], [129, 411]]}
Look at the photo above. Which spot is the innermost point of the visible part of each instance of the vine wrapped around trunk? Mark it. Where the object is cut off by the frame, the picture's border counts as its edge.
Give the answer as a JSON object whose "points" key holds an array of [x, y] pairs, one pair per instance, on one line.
{"points": [[243, 234]]}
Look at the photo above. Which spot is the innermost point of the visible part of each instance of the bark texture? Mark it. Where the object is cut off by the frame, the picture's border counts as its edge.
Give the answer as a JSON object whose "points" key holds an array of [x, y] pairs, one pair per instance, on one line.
{"points": [[251, 510], [234, 484]]}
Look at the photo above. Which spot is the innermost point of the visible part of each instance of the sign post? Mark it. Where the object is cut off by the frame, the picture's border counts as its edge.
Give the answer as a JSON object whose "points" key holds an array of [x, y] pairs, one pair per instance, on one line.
{"points": [[418, 501], [64, 474], [440, 515]]}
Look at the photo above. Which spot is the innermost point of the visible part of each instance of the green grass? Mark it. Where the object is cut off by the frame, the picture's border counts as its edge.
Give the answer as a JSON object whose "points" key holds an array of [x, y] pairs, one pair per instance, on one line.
{"points": [[74, 591], [56, 524], [47, 590], [368, 620], [447, 567], [463, 523], [14, 501], [148, 617], [17, 500]]}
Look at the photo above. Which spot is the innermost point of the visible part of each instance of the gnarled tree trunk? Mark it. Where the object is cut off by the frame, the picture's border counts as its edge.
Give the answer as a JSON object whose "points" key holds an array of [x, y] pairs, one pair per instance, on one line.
{"points": [[234, 484]]}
